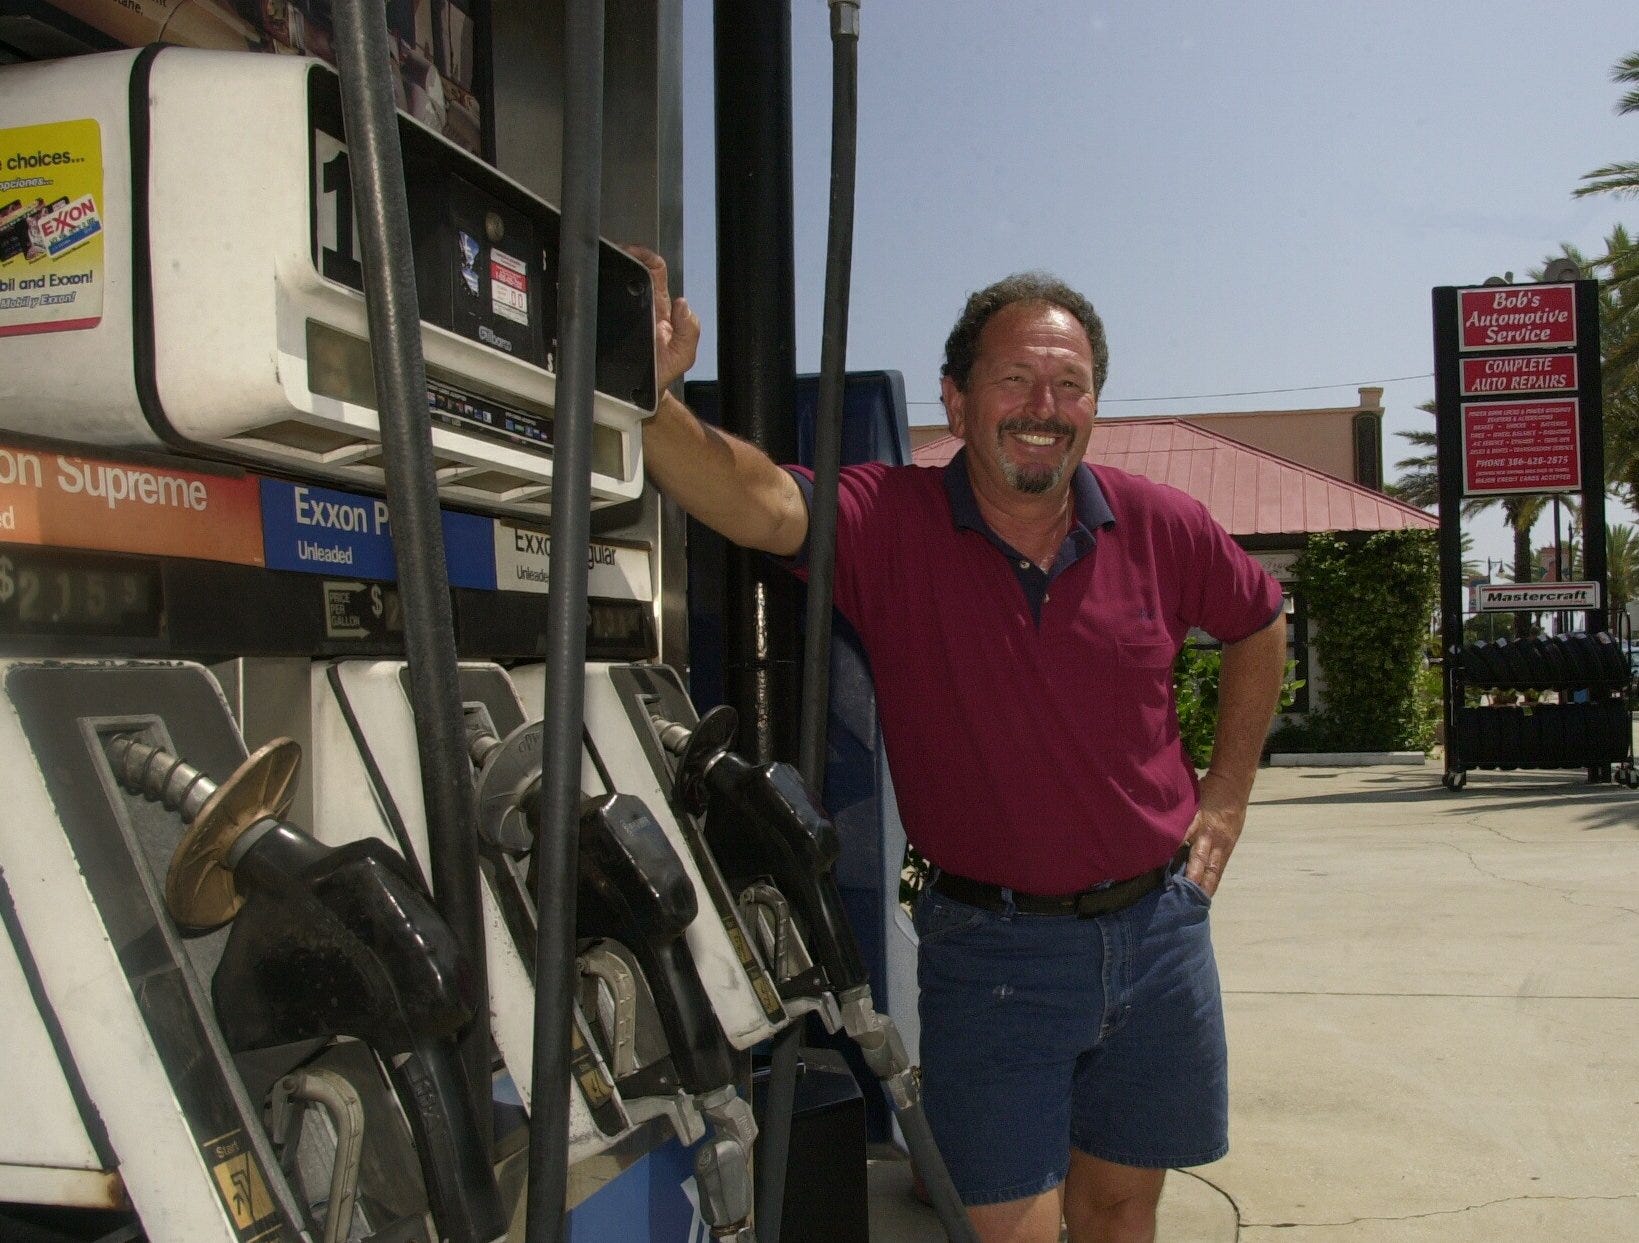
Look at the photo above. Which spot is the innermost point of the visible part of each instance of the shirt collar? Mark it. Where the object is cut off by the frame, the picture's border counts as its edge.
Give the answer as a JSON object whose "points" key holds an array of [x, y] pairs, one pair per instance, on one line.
{"points": [[1092, 510]]}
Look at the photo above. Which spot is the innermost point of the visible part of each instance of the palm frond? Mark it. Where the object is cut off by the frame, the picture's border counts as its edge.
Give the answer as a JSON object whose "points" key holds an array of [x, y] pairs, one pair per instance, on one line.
{"points": [[1620, 179], [1626, 71]]}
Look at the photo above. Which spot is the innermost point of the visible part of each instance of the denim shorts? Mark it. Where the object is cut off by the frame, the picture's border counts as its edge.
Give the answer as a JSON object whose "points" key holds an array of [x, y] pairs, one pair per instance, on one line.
{"points": [[1044, 1031]]}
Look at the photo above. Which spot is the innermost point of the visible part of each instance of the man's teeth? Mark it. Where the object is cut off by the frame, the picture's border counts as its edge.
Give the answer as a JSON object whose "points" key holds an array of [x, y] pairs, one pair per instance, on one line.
{"points": [[1030, 439]]}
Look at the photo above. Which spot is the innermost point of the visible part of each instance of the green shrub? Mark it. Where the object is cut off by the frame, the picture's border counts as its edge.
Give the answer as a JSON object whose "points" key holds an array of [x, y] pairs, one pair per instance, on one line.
{"points": [[1195, 687], [1370, 601]]}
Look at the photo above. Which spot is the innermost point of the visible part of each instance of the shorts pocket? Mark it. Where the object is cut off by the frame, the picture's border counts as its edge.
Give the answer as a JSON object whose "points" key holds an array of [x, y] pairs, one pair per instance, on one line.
{"points": [[938, 917], [1191, 890]]}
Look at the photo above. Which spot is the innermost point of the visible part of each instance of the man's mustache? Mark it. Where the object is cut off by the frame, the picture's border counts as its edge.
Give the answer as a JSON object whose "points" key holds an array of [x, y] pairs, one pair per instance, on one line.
{"points": [[1034, 427]]}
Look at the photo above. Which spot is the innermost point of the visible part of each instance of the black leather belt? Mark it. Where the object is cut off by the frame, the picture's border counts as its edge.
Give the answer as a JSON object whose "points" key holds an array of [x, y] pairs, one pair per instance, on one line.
{"points": [[1088, 904]]}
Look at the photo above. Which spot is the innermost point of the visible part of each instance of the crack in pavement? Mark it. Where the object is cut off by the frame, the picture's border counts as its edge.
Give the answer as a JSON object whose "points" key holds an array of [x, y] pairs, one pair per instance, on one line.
{"points": [[1478, 818], [1443, 1212], [1569, 895]]}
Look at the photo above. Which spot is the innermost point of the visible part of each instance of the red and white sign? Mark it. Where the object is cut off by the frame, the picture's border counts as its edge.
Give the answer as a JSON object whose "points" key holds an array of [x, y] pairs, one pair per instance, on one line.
{"points": [[1521, 446], [1522, 317], [1519, 373], [509, 287]]}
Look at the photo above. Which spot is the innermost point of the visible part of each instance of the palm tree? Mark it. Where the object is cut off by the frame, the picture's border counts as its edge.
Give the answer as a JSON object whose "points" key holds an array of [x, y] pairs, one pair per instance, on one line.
{"points": [[1623, 177], [1619, 297], [1419, 481], [1621, 566], [1619, 348]]}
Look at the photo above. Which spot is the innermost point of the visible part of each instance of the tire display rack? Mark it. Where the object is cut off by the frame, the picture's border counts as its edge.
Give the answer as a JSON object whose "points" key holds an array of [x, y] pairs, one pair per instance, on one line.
{"points": [[1590, 726]]}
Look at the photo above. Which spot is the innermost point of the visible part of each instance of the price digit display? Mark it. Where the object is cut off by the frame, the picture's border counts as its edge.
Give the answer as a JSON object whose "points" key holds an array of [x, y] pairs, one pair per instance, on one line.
{"points": [[52, 593]]}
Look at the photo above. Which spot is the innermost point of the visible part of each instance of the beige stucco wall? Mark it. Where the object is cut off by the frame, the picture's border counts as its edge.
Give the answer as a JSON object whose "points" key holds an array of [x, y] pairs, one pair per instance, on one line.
{"points": [[1319, 439]]}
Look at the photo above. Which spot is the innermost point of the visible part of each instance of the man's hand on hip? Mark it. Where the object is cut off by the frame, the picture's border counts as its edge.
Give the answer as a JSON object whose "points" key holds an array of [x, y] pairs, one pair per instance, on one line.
{"points": [[1213, 833]]}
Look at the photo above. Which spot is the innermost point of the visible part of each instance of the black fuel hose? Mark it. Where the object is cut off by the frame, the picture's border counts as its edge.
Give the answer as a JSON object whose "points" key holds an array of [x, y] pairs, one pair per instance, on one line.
{"points": [[822, 531], [774, 1148], [394, 316], [822, 513], [556, 850]]}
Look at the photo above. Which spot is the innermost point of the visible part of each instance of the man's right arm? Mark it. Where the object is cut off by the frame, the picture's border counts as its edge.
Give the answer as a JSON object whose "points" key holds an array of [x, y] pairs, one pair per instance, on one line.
{"points": [[727, 483]]}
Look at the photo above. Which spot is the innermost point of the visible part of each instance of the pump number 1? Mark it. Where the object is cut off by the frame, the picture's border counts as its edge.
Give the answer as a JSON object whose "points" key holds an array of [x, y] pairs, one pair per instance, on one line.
{"points": [[333, 219]]}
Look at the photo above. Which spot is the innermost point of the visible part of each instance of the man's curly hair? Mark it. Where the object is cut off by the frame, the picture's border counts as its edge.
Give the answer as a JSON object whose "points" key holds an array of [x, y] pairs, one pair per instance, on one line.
{"points": [[962, 346]]}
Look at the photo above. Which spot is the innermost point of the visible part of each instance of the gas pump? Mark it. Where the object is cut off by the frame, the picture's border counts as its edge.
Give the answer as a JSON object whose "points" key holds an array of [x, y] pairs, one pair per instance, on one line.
{"points": [[194, 957], [175, 447], [252, 999], [671, 992], [325, 943]]}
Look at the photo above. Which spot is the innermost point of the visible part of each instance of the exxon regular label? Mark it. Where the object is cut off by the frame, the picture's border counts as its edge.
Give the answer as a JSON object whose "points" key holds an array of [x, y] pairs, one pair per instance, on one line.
{"points": [[613, 571]]}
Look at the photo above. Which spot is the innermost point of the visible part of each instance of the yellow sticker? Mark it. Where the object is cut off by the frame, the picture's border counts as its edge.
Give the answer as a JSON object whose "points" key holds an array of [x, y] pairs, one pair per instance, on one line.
{"points": [[243, 1187], [51, 227], [767, 996], [598, 1089]]}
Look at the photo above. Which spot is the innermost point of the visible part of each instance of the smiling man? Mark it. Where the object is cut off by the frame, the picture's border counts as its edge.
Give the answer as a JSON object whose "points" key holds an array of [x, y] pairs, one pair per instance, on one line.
{"points": [[1022, 610]]}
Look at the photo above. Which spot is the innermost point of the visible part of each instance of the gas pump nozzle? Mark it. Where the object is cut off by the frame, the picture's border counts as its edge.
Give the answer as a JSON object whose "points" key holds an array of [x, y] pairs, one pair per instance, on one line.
{"points": [[633, 889], [763, 820], [326, 942]]}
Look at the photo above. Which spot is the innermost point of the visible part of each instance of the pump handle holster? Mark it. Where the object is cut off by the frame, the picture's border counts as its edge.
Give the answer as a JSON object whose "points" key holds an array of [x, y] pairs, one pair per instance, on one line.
{"points": [[762, 821], [633, 889], [342, 942]]}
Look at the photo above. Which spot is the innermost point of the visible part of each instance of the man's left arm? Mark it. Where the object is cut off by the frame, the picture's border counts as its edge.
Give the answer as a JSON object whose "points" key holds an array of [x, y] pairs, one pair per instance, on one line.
{"points": [[1249, 683]]}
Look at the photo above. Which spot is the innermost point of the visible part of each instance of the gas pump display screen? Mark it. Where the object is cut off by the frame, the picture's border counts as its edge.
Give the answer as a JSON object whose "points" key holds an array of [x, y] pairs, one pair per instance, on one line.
{"points": [[618, 630], [72, 593], [486, 258]]}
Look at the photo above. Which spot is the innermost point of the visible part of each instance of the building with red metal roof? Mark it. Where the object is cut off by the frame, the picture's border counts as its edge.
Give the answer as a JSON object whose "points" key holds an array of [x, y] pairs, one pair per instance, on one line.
{"points": [[1253, 493]]}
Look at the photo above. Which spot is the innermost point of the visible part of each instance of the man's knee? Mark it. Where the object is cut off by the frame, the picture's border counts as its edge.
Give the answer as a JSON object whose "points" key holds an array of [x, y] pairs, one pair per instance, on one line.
{"points": [[1034, 1219], [1109, 1203]]}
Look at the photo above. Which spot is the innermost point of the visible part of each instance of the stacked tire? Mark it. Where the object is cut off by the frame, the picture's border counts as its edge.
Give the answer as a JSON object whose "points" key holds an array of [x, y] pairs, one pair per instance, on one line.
{"points": [[1589, 727], [1592, 662], [1573, 735]]}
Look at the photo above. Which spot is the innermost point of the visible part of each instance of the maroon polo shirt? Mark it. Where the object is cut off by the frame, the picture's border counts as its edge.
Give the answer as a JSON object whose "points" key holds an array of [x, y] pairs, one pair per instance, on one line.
{"points": [[1029, 716]]}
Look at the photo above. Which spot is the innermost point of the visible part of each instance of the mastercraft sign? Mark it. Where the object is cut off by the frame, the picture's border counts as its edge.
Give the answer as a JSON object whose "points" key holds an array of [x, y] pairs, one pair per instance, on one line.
{"points": [[1531, 317], [1532, 597]]}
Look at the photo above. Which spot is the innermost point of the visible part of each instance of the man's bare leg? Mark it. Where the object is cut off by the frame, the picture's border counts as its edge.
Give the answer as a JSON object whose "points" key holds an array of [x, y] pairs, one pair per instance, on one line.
{"points": [[1109, 1203], [1035, 1219]]}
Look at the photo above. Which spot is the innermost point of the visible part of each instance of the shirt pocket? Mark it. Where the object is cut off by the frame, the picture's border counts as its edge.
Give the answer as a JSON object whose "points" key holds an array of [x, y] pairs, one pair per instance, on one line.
{"points": [[1149, 654]]}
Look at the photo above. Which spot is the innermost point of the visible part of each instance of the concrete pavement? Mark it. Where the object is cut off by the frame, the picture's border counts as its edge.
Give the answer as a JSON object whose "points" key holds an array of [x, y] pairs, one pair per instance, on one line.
{"points": [[1433, 1008]]}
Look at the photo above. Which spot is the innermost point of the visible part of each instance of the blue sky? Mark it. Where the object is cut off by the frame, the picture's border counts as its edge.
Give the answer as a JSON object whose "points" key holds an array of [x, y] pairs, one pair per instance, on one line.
{"points": [[1257, 196]]}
